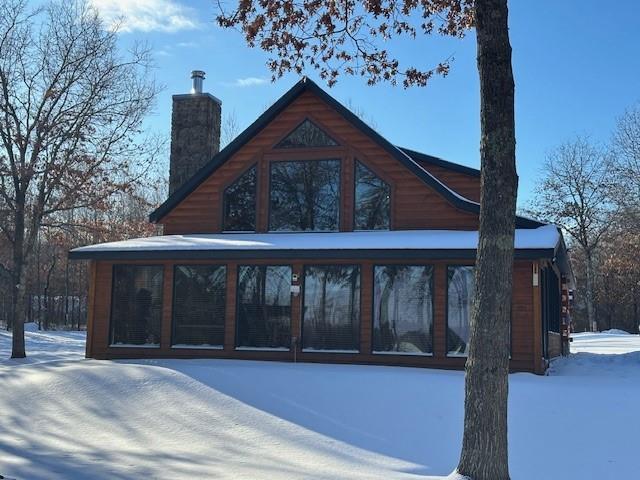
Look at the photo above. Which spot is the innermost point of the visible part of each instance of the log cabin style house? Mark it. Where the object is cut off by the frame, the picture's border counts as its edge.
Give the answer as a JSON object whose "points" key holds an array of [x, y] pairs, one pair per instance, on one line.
{"points": [[312, 238]]}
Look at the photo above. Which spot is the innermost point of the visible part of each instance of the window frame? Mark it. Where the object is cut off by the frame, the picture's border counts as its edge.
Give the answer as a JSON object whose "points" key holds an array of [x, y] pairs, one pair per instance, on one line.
{"points": [[338, 159], [172, 344], [357, 159], [303, 288], [433, 308], [223, 203], [111, 309], [237, 306]]}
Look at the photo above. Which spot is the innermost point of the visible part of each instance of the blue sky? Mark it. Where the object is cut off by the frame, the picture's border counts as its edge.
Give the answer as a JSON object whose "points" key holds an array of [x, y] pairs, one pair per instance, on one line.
{"points": [[576, 66]]}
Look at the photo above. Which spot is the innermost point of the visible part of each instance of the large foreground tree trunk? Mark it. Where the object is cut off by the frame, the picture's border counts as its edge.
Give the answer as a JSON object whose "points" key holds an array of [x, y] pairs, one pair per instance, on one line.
{"points": [[484, 446], [18, 292]]}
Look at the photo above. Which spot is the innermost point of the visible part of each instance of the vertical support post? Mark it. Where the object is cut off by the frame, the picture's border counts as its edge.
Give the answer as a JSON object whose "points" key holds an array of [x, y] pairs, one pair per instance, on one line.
{"points": [[91, 308], [538, 362], [366, 311], [230, 308], [167, 307], [440, 310], [346, 193], [262, 213], [296, 311]]}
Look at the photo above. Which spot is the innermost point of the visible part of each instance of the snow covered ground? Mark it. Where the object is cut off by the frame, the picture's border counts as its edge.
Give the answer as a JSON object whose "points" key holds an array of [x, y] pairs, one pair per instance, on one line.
{"points": [[64, 417]]}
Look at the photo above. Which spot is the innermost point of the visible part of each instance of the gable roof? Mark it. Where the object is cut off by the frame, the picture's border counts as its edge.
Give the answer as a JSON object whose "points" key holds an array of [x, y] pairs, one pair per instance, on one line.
{"points": [[307, 85]]}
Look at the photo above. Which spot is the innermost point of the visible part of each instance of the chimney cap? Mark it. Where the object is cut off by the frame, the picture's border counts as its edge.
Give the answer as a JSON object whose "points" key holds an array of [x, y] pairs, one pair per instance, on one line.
{"points": [[197, 77]]}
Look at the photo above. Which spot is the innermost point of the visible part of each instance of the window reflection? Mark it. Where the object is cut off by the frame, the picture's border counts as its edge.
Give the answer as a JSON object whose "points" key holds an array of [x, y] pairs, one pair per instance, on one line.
{"points": [[305, 195], [240, 203], [199, 305], [460, 291], [403, 309], [331, 315], [264, 307], [372, 200], [136, 305]]}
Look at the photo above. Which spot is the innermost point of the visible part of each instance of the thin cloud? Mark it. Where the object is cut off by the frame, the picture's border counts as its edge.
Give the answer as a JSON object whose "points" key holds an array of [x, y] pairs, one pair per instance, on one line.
{"points": [[187, 44], [247, 82], [147, 15]]}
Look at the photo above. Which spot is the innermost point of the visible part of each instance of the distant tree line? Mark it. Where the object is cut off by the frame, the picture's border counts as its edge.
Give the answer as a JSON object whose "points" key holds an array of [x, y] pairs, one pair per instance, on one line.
{"points": [[592, 192]]}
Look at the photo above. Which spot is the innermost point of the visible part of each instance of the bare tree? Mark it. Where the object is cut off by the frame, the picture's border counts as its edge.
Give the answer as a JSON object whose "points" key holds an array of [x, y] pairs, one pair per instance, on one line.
{"points": [[626, 143], [70, 111], [230, 128], [341, 38], [575, 194]]}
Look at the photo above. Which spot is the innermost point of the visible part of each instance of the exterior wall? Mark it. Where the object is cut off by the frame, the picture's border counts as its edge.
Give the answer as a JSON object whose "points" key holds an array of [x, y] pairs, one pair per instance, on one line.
{"points": [[523, 354], [414, 204], [466, 185]]}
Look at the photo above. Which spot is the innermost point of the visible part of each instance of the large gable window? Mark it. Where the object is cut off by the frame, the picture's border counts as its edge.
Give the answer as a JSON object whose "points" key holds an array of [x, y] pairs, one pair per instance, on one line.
{"points": [[136, 305], [199, 305], [307, 135], [403, 309], [264, 307], [372, 200], [331, 312], [460, 291], [305, 195], [240, 203]]}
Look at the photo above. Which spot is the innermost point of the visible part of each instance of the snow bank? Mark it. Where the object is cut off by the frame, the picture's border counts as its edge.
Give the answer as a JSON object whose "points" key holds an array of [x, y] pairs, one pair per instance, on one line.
{"points": [[225, 419], [615, 331], [31, 327]]}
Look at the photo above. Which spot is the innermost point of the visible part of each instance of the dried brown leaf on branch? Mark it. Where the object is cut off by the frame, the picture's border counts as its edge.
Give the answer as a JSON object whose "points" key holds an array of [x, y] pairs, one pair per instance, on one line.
{"points": [[347, 37]]}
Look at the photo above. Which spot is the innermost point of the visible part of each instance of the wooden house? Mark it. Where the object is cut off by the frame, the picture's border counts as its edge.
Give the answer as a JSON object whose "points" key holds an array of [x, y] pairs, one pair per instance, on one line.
{"points": [[312, 238]]}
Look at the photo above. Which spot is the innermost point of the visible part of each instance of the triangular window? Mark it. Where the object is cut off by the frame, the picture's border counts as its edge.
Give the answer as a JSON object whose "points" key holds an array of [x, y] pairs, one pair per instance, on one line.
{"points": [[307, 135]]}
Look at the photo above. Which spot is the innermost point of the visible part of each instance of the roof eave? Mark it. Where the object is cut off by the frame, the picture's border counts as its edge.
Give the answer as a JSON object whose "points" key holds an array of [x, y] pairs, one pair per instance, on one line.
{"points": [[284, 254]]}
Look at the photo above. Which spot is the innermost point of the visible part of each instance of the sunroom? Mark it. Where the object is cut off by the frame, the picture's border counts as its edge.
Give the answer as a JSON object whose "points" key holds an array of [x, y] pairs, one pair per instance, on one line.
{"points": [[399, 297]]}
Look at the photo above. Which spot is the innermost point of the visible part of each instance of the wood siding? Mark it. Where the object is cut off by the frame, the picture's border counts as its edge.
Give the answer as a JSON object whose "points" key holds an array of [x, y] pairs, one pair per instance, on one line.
{"points": [[523, 347], [466, 185], [414, 204]]}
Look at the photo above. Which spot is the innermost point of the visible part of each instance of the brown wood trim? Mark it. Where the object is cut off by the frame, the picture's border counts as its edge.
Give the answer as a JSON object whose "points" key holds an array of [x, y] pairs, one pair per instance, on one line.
{"points": [[366, 308], [167, 307], [538, 360], [440, 310], [231, 307], [296, 310], [91, 308]]}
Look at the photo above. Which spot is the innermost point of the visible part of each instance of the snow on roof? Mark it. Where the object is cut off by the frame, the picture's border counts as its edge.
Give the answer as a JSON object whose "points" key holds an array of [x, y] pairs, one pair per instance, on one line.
{"points": [[546, 237]]}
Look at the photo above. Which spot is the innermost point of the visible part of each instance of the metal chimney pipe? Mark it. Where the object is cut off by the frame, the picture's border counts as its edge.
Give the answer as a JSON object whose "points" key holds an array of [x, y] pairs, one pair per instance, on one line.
{"points": [[197, 77]]}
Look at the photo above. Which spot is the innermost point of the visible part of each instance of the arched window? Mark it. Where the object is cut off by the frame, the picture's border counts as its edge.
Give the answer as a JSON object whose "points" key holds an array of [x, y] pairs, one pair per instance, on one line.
{"points": [[240, 203], [373, 200]]}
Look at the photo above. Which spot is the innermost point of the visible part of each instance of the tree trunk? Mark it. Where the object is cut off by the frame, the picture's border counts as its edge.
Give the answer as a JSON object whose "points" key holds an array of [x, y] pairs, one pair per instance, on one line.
{"points": [[591, 312], [18, 291], [484, 446]]}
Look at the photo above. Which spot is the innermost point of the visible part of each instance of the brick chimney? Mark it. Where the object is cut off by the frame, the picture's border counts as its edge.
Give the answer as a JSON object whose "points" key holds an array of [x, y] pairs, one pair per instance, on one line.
{"points": [[195, 132]]}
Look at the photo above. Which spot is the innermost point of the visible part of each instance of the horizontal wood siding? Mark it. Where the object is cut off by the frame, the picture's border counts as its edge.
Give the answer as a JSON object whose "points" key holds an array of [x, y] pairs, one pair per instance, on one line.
{"points": [[466, 185], [522, 358], [415, 205]]}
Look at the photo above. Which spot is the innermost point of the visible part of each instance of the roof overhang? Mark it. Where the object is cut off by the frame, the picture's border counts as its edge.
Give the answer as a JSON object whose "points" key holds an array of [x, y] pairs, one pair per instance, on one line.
{"points": [[406, 244]]}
